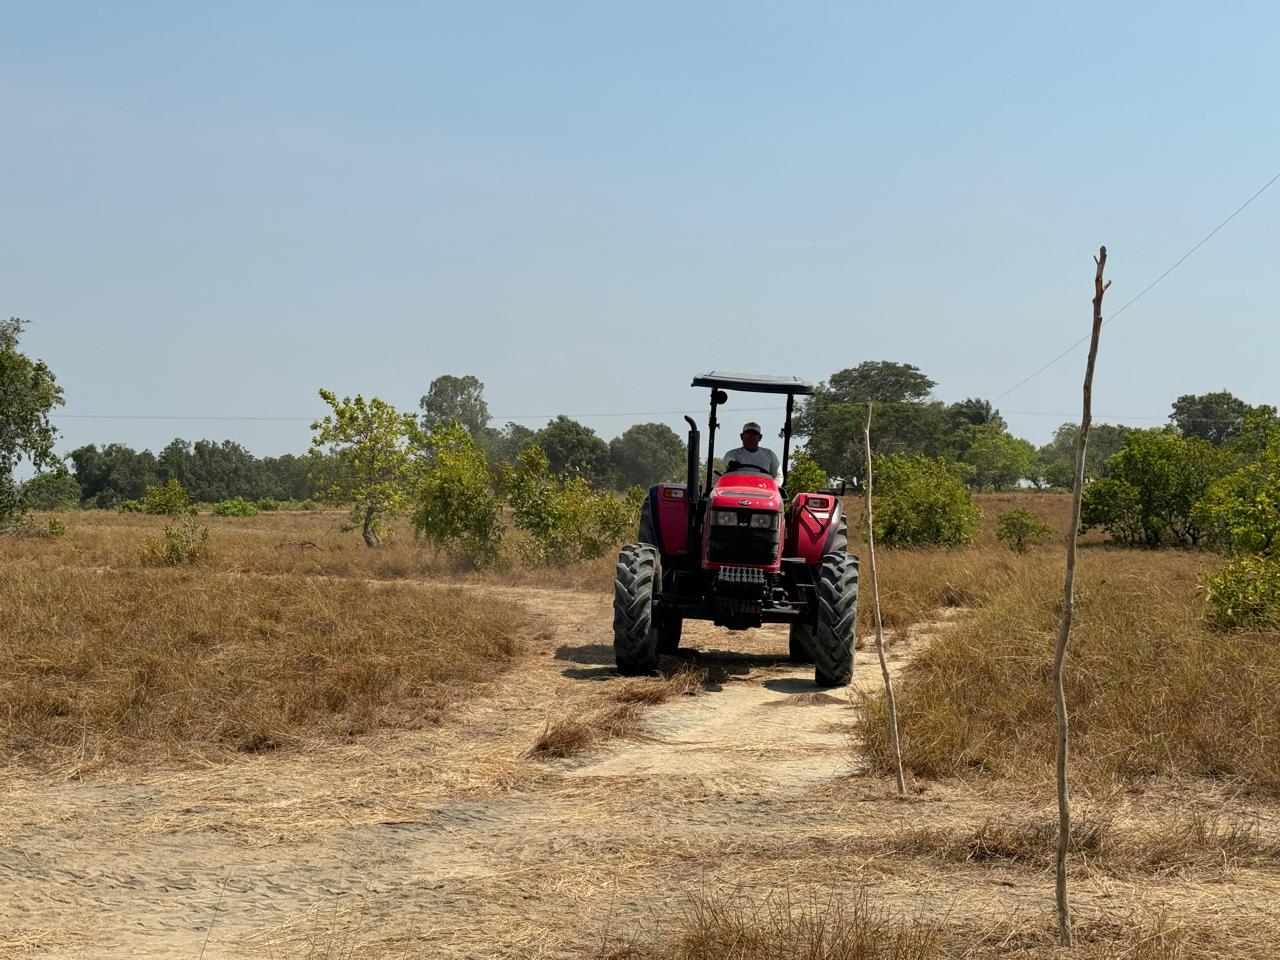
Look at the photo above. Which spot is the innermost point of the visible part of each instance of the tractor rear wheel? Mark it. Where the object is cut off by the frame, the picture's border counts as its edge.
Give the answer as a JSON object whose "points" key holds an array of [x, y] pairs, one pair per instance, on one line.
{"points": [[635, 635], [800, 645], [837, 620]]}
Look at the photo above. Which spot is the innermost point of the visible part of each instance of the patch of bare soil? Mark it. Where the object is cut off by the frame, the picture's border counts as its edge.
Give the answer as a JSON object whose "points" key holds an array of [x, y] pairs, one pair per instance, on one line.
{"points": [[459, 841]]}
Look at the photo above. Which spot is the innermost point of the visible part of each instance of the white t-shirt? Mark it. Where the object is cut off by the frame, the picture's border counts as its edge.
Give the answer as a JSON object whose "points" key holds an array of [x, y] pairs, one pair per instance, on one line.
{"points": [[763, 457]]}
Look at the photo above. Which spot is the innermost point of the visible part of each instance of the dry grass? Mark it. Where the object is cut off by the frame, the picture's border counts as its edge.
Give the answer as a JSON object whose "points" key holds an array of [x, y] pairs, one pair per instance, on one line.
{"points": [[149, 663], [1151, 689], [620, 716], [851, 928]]}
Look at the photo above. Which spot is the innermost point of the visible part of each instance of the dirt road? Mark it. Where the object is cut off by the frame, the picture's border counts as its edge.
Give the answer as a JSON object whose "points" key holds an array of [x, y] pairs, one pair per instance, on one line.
{"points": [[452, 842]]}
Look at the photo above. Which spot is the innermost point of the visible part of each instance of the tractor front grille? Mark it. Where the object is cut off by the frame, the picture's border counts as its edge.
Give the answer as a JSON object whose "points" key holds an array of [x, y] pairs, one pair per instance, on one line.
{"points": [[742, 545]]}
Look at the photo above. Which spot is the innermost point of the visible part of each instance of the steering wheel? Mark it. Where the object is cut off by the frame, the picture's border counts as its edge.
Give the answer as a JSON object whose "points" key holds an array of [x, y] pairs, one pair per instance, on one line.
{"points": [[730, 468]]}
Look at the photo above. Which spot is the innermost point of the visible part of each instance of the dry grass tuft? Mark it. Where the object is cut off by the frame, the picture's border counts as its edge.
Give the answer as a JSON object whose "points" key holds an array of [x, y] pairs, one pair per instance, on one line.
{"points": [[1031, 842], [812, 699], [1151, 689], [176, 663], [777, 928]]}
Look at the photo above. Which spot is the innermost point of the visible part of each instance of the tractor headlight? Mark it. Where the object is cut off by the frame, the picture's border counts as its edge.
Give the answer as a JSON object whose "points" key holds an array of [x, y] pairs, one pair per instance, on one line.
{"points": [[724, 518], [765, 521]]}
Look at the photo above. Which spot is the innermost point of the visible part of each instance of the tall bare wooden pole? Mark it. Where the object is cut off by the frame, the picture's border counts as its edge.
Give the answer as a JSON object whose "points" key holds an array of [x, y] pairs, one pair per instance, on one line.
{"points": [[875, 599], [1064, 624]]}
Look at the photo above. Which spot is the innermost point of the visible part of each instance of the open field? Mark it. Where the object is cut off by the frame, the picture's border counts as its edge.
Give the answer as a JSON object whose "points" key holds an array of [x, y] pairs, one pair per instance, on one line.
{"points": [[309, 749]]}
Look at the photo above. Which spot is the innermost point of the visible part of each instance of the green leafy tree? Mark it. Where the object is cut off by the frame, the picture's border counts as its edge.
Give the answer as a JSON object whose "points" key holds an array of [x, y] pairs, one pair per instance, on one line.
{"points": [[999, 460], [55, 490], [804, 475], [565, 518], [113, 474], [1240, 512], [647, 453], [28, 395], [831, 419], [456, 399], [975, 412], [922, 501], [1216, 417], [457, 507], [506, 444], [575, 450], [370, 450], [1021, 529], [1152, 488], [1058, 456]]}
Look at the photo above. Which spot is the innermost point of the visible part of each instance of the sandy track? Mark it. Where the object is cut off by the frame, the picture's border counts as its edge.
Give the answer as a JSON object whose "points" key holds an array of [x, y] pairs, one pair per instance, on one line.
{"points": [[451, 842]]}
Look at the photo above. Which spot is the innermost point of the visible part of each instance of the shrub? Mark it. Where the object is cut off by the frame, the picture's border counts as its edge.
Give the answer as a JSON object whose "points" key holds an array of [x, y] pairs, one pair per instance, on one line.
{"points": [[565, 518], [922, 501], [50, 491], [167, 499], [185, 543], [804, 475], [1246, 594], [1240, 513], [1022, 528], [1152, 487], [56, 527], [129, 506], [458, 509], [235, 507], [309, 504], [268, 504]]}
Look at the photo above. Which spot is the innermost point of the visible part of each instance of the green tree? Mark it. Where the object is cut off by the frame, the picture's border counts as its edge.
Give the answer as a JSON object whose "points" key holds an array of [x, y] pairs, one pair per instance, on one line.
{"points": [[456, 399], [975, 412], [922, 501], [370, 446], [565, 519], [804, 475], [1216, 417], [457, 507], [167, 499], [1152, 487], [113, 474], [55, 490], [1058, 456], [574, 449], [831, 419], [507, 443], [647, 453], [999, 460], [1240, 512], [28, 394]]}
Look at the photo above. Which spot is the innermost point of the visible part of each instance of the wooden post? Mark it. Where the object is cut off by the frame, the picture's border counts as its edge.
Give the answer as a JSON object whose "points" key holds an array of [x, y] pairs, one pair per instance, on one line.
{"points": [[1064, 624], [875, 599]]}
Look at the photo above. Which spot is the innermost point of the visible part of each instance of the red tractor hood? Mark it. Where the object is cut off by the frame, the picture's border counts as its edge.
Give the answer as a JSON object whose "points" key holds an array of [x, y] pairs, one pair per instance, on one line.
{"points": [[746, 491]]}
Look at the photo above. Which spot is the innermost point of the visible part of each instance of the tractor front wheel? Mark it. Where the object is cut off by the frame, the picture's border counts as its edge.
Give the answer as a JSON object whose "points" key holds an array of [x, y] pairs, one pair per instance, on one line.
{"points": [[837, 620], [635, 635]]}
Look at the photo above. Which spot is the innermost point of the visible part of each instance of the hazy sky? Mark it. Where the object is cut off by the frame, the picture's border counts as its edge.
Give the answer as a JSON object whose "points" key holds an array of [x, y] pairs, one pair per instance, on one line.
{"points": [[213, 210]]}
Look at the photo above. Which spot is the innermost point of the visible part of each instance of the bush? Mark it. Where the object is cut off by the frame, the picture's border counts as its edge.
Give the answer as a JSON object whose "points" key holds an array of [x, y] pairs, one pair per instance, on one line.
{"points": [[309, 504], [168, 499], [1022, 528], [804, 475], [1152, 487], [129, 506], [458, 509], [235, 507], [565, 519], [1246, 594], [50, 491], [922, 501], [267, 504], [1241, 512], [185, 543]]}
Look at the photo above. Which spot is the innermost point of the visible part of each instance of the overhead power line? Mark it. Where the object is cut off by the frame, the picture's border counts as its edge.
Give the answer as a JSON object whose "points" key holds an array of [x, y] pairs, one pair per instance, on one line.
{"points": [[1143, 292]]}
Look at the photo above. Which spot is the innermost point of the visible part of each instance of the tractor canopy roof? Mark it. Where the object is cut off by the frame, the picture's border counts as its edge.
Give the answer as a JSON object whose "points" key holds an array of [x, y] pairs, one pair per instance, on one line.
{"points": [[752, 383]]}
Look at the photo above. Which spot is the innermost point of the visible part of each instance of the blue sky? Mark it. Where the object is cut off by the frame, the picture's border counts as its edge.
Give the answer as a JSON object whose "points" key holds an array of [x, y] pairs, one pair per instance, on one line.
{"points": [[216, 210]]}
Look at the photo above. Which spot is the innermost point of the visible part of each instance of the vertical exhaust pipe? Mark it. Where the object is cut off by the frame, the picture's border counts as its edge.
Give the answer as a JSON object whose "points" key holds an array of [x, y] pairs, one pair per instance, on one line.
{"points": [[691, 481]]}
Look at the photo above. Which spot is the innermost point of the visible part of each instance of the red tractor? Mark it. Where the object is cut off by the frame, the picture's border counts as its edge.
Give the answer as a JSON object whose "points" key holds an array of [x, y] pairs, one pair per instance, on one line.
{"points": [[740, 552]]}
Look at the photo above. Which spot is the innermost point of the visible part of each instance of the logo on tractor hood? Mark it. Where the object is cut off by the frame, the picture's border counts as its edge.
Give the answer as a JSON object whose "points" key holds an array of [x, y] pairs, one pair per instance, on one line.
{"points": [[744, 503]]}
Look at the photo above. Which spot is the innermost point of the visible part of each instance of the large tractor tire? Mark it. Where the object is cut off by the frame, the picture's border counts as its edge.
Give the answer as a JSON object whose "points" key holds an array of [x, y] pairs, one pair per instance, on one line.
{"points": [[837, 620], [635, 635], [841, 542], [800, 643]]}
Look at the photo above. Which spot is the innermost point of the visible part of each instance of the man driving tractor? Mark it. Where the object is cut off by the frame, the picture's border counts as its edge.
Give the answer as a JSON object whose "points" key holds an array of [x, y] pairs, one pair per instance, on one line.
{"points": [[751, 454]]}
